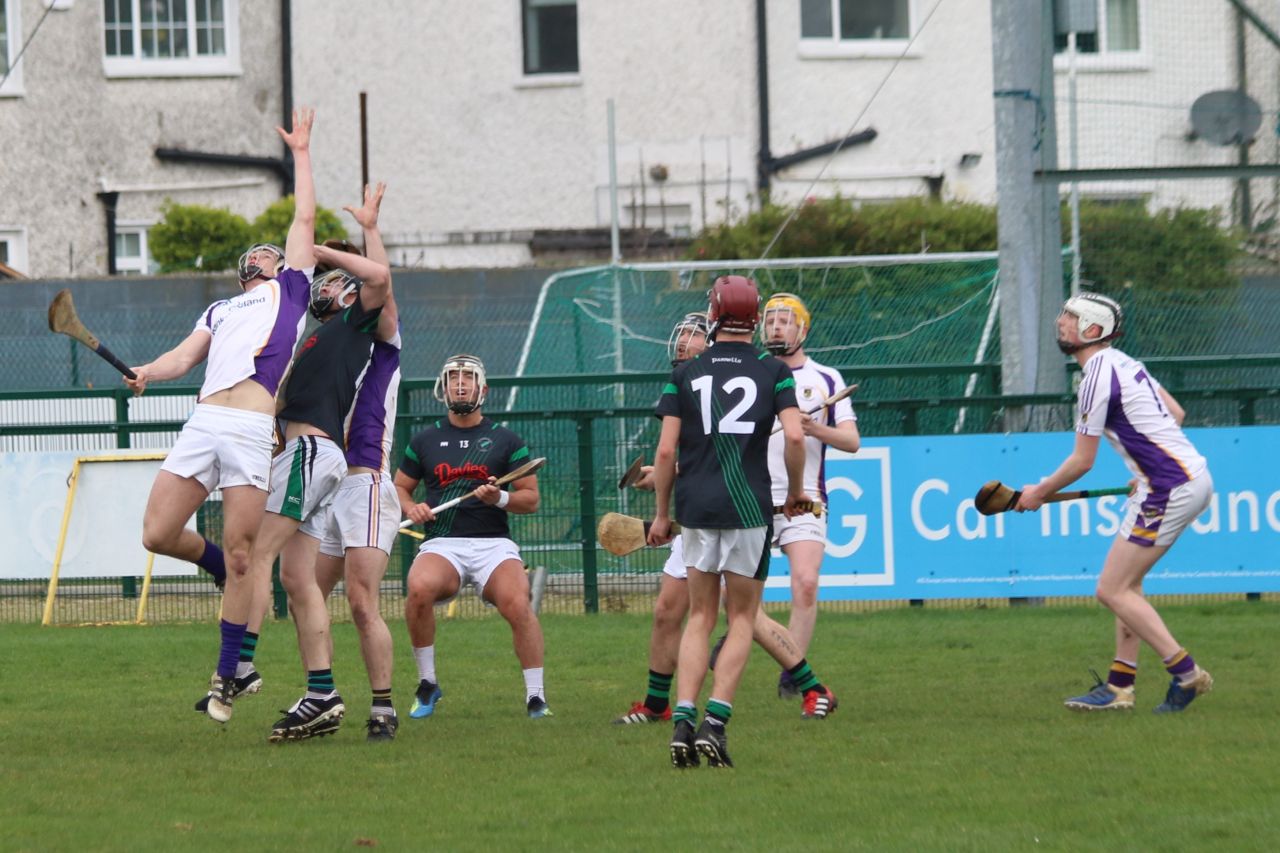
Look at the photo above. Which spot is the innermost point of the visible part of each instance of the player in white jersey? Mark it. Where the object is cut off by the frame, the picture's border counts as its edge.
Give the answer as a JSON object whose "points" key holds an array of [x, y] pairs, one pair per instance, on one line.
{"points": [[248, 341], [804, 538], [1119, 398]]}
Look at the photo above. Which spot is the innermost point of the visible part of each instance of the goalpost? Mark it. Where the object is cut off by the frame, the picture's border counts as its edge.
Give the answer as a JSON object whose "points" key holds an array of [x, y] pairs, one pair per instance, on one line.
{"points": [[100, 535]]}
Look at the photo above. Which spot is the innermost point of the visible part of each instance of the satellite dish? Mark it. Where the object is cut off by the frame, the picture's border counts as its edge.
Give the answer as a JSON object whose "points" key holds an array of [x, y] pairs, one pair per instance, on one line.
{"points": [[1226, 117]]}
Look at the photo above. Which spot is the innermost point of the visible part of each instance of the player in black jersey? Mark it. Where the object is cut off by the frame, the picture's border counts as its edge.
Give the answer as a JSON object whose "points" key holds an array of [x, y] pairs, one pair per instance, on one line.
{"points": [[313, 406], [472, 541], [717, 412], [688, 339]]}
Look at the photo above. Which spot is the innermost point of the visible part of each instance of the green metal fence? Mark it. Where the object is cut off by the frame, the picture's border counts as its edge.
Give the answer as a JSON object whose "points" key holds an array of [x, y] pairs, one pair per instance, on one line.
{"points": [[588, 440]]}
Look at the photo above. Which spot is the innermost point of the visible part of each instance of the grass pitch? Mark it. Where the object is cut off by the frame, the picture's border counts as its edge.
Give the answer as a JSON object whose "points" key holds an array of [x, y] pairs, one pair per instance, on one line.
{"points": [[950, 736]]}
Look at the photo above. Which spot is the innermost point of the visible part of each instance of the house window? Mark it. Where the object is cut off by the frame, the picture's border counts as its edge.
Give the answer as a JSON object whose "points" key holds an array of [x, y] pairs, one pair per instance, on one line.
{"points": [[550, 36], [13, 248], [855, 20], [132, 254], [1118, 30], [170, 38], [10, 44]]}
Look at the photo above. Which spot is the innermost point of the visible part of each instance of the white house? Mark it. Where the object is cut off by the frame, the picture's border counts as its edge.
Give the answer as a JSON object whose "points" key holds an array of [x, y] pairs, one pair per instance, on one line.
{"points": [[488, 119]]}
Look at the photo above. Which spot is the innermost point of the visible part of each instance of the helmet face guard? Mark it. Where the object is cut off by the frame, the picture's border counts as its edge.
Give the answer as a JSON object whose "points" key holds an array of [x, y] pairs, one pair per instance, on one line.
{"points": [[329, 292], [250, 268], [450, 381], [1093, 309], [797, 314], [734, 305], [687, 334]]}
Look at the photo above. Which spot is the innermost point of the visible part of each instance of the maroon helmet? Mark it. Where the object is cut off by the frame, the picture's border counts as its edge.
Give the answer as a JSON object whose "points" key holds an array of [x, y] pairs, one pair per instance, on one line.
{"points": [[735, 304]]}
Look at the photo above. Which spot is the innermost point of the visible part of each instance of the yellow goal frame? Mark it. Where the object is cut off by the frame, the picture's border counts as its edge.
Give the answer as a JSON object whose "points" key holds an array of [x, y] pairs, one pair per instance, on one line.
{"points": [[72, 483]]}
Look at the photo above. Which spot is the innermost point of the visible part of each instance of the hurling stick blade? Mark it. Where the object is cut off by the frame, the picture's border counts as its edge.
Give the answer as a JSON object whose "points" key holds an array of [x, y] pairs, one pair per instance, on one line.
{"points": [[632, 475], [523, 471], [621, 535], [64, 321], [995, 497]]}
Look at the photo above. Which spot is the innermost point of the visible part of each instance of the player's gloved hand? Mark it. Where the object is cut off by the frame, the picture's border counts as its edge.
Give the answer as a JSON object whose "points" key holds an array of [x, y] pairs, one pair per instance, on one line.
{"points": [[659, 531]]}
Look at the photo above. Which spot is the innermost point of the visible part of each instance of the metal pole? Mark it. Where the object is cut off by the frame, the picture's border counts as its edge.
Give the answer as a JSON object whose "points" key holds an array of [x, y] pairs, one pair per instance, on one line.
{"points": [[1075, 164], [615, 244], [364, 143]]}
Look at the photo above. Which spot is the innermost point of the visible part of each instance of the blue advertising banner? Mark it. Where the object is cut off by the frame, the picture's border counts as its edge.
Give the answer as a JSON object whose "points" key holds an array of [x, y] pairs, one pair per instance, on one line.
{"points": [[901, 522]]}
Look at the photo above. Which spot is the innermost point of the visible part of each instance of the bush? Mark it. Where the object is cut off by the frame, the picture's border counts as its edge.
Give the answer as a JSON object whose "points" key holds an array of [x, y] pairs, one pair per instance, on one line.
{"points": [[192, 236], [195, 237], [839, 226], [272, 225]]}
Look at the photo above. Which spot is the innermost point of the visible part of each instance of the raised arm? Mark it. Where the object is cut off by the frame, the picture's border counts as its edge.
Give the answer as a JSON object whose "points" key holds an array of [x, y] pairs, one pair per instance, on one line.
{"points": [[366, 217], [376, 276], [298, 248]]}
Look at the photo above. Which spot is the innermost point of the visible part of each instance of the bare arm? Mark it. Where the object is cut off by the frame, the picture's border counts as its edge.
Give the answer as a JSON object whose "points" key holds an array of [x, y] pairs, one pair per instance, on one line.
{"points": [[376, 276], [1075, 466], [794, 457], [522, 499], [366, 217], [298, 251], [843, 436], [664, 477], [414, 511], [176, 362], [1178, 413]]}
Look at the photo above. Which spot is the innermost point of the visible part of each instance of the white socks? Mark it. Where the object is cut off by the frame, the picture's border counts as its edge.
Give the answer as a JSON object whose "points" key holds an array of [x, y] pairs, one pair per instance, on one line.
{"points": [[426, 658]]}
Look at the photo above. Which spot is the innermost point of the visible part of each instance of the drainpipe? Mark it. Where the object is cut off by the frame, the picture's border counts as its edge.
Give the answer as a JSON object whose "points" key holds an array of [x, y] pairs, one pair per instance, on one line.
{"points": [[109, 200], [283, 167], [286, 85], [764, 160]]}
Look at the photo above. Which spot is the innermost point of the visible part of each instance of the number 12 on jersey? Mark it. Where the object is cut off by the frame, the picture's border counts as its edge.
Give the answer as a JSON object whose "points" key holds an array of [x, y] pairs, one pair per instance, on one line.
{"points": [[731, 423]]}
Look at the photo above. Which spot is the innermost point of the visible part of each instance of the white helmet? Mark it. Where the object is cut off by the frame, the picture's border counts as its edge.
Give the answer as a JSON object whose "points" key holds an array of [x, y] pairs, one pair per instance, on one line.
{"points": [[459, 364], [1094, 309]]}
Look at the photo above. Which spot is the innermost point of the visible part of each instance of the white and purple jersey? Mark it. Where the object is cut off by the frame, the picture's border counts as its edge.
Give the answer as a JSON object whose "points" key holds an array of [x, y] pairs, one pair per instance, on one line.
{"points": [[1119, 398], [371, 422], [254, 333], [814, 384]]}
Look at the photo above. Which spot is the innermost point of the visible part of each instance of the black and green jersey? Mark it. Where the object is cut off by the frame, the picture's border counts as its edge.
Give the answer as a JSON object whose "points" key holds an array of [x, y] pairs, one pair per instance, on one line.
{"points": [[450, 461], [726, 399], [328, 369]]}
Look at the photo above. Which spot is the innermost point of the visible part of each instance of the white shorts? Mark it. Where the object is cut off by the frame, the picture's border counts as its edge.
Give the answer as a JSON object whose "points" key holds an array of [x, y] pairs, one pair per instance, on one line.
{"points": [[1158, 518], [304, 479], [220, 447], [802, 528], [365, 513], [675, 563], [473, 559], [742, 552]]}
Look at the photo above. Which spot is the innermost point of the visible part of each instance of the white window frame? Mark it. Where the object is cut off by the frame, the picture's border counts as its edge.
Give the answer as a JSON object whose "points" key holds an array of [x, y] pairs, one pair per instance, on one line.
{"points": [[1106, 60], [145, 264], [190, 66], [544, 81], [834, 47], [16, 238], [12, 87]]}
